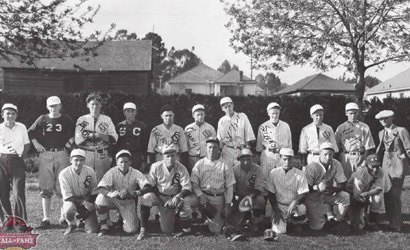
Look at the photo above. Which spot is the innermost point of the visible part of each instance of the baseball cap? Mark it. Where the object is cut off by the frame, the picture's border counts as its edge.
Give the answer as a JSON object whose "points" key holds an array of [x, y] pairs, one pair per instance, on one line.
{"points": [[269, 235], [129, 105], [77, 152], [166, 107], [315, 108], [384, 114], [351, 105], [212, 139], [373, 160], [198, 107], [168, 149], [273, 105], [53, 100], [327, 145], [244, 152], [286, 151], [225, 100], [9, 106], [122, 152]]}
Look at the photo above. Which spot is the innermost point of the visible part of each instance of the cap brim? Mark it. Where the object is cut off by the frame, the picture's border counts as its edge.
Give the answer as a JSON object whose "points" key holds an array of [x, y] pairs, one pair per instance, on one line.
{"points": [[236, 237], [269, 238]]}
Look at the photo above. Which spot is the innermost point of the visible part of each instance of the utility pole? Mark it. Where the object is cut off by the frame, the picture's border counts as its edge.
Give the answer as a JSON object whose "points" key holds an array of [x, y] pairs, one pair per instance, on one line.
{"points": [[251, 65]]}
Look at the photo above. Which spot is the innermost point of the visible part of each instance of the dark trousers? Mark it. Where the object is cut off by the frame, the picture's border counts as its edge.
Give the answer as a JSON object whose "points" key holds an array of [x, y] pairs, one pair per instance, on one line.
{"points": [[12, 176], [392, 203]]}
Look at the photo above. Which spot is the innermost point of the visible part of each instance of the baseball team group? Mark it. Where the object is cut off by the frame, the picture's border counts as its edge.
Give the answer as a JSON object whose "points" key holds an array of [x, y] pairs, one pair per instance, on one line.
{"points": [[97, 170]]}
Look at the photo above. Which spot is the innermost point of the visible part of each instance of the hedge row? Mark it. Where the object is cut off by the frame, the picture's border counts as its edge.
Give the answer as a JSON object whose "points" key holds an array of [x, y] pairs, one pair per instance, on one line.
{"points": [[295, 110]]}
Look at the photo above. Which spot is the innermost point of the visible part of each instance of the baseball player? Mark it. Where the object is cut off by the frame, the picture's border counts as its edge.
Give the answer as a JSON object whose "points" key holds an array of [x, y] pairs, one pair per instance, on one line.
{"points": [[249, 182], [323, 193], [133, 136], [52, 135], [354, 140], [94, 133], [394, 149], [196, 134], [365, 187], [212, 181], [287, 189], [119, 188], [165, 135], [234, 132], [313, 135], [14, 145], [78, 183], [172, 193]]}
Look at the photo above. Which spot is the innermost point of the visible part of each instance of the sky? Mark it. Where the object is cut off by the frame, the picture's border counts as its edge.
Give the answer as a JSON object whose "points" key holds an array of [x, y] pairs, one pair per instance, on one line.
{"points": [[184, 24]]}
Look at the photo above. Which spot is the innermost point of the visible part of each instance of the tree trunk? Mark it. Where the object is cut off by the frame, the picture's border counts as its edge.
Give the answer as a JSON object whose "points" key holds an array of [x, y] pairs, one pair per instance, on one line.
{"points": [[360, 87]]}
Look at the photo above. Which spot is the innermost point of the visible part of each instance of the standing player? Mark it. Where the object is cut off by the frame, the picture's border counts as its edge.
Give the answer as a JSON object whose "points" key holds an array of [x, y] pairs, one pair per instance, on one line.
{"points": [[196, 134], [394, 147], [14, 145], [287, 187], [313, 135], [78, 183], [234, 132], [354, 139], [119, 189], [94, 133], [165, 135], [52, 135], [133, 136]]}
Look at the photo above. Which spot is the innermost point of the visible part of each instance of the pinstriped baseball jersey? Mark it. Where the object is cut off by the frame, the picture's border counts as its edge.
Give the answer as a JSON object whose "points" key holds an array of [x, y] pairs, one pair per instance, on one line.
{"points": [[287, 185], [196, 137], [361, 181], [169, 182], [246, 182], [354, 136], [271, 136], [310, 140], [212, 176], [236, 130], [86, 124], [161, 136], [114, 179], [73, 185], [316, 172]]}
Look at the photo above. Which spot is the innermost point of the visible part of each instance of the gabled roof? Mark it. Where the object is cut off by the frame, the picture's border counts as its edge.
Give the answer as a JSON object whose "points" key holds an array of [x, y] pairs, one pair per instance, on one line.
{"points": [[111, 56], [317, 83], [397, 82], [233, 76], [199, 74]]}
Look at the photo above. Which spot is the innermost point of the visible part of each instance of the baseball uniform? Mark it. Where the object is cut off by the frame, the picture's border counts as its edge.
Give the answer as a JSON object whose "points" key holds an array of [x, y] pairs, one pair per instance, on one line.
{"points": [[233, 133], [134, 138], [78, 185], [196, 137], [311, 137], [96, 149], [317, 202], [162, 137], [213, 178], [353, 139], [287, 186], [113, 180]]}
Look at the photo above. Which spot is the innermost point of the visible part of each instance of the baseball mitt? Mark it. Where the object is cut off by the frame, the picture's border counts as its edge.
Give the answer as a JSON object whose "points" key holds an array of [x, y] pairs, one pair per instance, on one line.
{"points": [[174, 203], [125, 195], [360, 201], [83, 212], [328, 187], [208, 210]]}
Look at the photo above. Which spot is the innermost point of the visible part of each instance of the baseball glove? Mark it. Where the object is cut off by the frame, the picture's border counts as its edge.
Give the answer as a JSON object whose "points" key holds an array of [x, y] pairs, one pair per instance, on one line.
{"points": [[328, 187], [125, 195], [360, 201], [208, 210], [174, 203], [83, 212]]}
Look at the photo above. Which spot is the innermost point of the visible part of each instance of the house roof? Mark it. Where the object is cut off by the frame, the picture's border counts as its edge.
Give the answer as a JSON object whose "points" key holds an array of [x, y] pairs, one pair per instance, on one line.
{"points": [[233, 76], [397, 82], [317, 82], [111, 56], [199, 74]]}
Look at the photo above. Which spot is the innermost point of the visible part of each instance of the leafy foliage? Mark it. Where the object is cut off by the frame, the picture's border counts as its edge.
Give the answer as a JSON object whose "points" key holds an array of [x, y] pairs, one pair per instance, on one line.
{"points": [[226, 67]]}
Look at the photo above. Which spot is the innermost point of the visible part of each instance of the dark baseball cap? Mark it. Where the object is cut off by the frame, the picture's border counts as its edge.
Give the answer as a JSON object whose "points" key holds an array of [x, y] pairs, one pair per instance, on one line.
{"points": [[212, 139], [373, 160]]}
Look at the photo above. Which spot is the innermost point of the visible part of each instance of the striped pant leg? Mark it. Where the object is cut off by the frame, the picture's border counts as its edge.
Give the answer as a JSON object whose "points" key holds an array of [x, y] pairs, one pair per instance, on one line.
{"points": [[316, 211], [46, 174], [230, 155], [61, 161], [279, 227], [167, 218], [341, 200], [216, 223]]}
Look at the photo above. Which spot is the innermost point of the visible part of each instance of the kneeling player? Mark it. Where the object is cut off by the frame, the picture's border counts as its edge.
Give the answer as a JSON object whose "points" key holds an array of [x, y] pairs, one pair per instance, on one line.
{"points": [[118, 190]]}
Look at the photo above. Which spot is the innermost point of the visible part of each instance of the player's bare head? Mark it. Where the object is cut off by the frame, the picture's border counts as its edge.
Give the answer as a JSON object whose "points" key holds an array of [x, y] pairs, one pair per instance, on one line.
{"points": [[77, 157], [373, 164], [9, 112], [273, 110], [94, 103], [167, 114], [326, 152], [227, 105], [245, 158], [286, 157], [385, 118], [93, 97], [352, 112], [212, 148], [317, 113], [130, 110], [169, 154], [198, 113]]}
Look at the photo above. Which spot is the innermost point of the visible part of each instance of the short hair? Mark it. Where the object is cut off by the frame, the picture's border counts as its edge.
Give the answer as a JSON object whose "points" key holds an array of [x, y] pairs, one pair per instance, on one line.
{"points": [[166, 107], [93, 97]]}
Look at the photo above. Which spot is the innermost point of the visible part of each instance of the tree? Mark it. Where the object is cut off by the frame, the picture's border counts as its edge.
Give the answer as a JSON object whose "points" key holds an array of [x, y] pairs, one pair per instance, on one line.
{"points": [[122, 35], [272, 83], [33, 29], [179, 61], [225, 67], [159, 53], [235, 67], [355, 34]]}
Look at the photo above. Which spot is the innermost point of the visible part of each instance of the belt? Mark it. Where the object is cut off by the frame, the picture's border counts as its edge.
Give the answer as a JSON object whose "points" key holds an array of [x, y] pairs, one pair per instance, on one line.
{"points": [[9, 156], [210, 194], [197, 155], [273, 150], [313, 152], [354, 152], [99, 150], [169, 195], [236, 147], [54, 149]]}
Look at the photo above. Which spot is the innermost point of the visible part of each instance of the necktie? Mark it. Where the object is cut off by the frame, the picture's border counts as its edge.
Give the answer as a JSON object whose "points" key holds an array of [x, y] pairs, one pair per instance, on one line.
{"points": [[318, 132]]}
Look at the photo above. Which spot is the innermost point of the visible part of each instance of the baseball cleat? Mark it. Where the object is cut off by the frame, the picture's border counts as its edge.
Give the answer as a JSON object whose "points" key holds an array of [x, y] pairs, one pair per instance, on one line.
{"points": [[141, 235], [69, 229], [44, 224], [102, 232]]}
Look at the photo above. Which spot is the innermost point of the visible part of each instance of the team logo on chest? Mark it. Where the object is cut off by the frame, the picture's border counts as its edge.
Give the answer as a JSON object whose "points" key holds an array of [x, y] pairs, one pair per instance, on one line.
{"points": [[87, 182], [103, 126], [176, 180], [252, 180]]}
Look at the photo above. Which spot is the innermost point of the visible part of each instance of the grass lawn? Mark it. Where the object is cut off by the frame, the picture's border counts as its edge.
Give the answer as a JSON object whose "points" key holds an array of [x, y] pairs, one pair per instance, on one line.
{"points": [[308, 239]]}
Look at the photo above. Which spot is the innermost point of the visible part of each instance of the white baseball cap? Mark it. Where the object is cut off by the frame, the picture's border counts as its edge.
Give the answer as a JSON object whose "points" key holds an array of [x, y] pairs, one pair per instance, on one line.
{"points": [[315, 108], [198, 107], [9, 106], [351, 106], [122, 152], [384, 114], [77, 152], [53, 100], [286, 151], [225, 100], [327, 145], [168, 149], [245, 152], [129, 105], [273, 105]]}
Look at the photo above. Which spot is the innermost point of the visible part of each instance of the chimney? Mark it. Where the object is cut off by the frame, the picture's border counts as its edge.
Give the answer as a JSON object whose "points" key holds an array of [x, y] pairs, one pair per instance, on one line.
{"points": [[241, 76]]}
